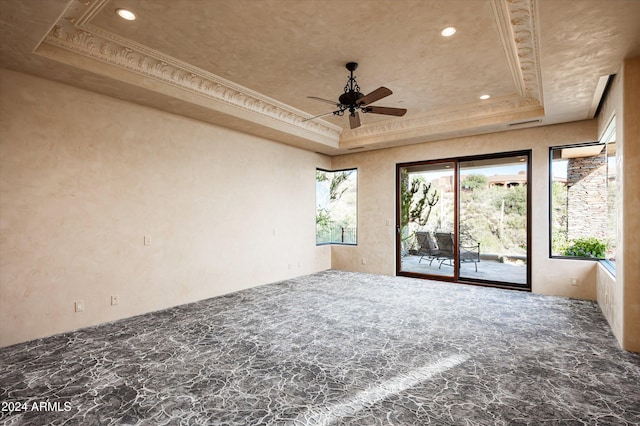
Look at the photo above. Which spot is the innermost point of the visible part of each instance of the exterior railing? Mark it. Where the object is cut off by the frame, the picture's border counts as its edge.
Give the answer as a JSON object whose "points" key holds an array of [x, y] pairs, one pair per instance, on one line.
{"points": [[336, 235]]}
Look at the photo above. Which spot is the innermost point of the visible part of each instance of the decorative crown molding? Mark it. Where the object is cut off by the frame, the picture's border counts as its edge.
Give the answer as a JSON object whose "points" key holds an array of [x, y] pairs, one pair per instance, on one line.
{"points": [[73, 32], [459, 115], [516, 22]]}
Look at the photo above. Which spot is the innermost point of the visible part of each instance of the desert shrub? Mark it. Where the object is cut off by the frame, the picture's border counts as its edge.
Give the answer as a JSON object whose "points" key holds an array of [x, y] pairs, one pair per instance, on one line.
{"points": [[586, 247]]}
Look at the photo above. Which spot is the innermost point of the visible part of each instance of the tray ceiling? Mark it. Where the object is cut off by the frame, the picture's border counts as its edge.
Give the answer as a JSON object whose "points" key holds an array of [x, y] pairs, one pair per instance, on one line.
{"points": [[250, 65]]}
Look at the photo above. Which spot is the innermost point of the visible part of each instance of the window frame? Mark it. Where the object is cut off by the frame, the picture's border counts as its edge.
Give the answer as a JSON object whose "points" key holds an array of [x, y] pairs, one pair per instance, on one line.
{"points": [[550, 221], [355, 243], [609, 130]]}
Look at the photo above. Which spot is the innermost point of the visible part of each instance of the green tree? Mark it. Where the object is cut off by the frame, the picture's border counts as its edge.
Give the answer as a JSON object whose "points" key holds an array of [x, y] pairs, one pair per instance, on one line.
{"points": [[338, 208], [559, 230], [337, 188], [417, 201], [474, 182], [496, 217], [515, 200]]}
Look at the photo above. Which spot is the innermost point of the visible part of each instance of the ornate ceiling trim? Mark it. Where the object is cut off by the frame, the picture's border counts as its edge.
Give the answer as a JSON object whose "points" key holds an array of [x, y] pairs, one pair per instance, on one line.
{"points": [[516, 23], [462, 118], [74, 33]]}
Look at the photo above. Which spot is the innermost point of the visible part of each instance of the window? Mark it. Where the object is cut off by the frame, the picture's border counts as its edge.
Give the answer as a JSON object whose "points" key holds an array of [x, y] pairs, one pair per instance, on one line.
{"points": [[583, 199], [609, 139], [336, 206]]}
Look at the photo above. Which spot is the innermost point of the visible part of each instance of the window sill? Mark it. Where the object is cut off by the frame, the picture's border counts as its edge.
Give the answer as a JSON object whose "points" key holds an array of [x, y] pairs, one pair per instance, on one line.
{"points": [[577, 258], [609, 266]]}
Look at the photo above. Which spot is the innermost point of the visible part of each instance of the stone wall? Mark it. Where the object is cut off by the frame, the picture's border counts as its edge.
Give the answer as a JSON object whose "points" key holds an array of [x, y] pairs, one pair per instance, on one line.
{"points": [[587, 196]]}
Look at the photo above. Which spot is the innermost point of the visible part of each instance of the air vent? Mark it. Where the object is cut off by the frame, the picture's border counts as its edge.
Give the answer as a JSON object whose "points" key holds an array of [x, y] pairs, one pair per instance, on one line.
{"points": [[355, 148], [524, 122]]}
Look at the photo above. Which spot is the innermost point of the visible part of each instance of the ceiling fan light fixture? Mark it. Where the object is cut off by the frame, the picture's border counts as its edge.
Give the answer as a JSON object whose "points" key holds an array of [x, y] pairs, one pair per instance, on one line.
{"points": [[354, 101], [448, 32], [126, 14]]}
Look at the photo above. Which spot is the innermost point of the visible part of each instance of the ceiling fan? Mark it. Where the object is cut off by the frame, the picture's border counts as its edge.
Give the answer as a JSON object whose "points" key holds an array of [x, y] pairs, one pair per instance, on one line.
{"points": [[353, 100]]}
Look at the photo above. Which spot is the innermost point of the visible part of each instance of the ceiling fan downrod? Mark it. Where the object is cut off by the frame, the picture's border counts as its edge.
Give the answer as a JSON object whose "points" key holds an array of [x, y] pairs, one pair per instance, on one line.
{"points": [[351, 90]]}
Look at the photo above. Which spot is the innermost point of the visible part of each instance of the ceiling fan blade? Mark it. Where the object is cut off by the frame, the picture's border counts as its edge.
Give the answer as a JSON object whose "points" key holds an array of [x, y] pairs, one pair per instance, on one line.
{"points": [[324, 100], [318, 116], [399, 112], [354, 120], [376, 95]]}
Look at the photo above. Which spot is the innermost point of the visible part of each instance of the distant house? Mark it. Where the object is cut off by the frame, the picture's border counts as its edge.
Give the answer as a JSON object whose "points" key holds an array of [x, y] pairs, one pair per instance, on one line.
{"points": [[508, 181]]}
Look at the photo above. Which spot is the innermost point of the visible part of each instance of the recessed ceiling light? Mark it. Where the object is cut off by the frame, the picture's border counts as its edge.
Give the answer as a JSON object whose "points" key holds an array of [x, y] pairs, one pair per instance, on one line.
{"points": [[483, 97], [126, 14], [448, 32]]}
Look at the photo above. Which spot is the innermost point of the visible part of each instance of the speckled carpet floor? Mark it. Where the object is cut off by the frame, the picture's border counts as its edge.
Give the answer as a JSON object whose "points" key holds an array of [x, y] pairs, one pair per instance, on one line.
{"points": [[334, 348]]}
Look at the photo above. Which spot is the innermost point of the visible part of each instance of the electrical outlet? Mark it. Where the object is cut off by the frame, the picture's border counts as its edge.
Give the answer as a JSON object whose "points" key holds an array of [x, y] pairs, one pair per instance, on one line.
{"points": [[364, 261], [78, 306], [115, 300], [147, 240], [575, 281]]}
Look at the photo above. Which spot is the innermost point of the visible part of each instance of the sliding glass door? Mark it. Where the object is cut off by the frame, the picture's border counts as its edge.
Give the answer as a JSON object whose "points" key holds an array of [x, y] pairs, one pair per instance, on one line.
{"points": [[465, 219], [427, 213], [493, 219]]}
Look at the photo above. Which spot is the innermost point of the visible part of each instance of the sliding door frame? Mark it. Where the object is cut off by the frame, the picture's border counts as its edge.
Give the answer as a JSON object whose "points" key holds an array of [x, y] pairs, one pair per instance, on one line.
{"points": [[456, 221], [399, 167]]}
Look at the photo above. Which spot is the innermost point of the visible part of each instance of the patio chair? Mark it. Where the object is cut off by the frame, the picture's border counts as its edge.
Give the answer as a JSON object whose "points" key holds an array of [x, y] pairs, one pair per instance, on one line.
{"points": [[445, 243], [468, 253], [427, 247]]}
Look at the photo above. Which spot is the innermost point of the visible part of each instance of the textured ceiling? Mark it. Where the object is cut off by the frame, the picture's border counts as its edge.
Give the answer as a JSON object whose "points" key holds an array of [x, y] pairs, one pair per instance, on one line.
{"points": [[276, 48], [250, 65]]}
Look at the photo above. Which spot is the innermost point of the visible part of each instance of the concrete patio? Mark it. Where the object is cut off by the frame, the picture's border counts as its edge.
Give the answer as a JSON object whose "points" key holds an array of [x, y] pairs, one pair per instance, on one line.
{"points": [[509, 272]]}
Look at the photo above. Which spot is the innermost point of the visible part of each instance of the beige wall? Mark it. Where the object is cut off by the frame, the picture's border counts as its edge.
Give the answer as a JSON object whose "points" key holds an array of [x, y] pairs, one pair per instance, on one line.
{"points": [[609, 299], [619, 296], [375, 251], [609, 287], [630, 155], [84, 177]]}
